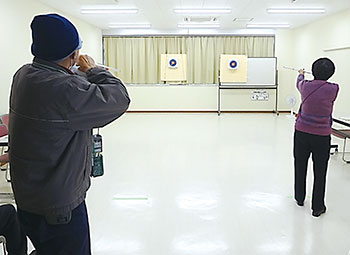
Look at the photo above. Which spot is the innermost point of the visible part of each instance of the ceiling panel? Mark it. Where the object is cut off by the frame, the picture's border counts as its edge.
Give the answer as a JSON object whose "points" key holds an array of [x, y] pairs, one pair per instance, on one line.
{"points": [[160, 12]]}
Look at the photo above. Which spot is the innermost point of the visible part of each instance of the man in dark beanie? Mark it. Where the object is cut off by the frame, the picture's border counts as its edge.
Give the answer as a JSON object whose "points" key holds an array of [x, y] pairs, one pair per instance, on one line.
{"points": [[52, 114]]}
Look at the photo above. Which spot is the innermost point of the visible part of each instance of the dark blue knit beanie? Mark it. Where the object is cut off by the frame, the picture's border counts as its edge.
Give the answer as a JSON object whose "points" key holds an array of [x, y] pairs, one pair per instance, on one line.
{"points": [[54, 37]]}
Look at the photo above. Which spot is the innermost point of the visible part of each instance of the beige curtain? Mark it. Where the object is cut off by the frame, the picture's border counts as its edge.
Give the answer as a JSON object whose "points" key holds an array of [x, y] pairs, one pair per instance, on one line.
{"points": [[138, 58]]}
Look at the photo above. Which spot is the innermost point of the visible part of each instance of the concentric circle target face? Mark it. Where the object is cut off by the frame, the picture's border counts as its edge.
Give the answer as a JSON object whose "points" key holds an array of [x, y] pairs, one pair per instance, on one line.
{"points": [[172, 62], [233, 64]]}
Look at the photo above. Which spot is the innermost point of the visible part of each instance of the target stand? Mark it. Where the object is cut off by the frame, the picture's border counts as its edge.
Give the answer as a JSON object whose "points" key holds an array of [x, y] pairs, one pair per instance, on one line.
{"points": [[239, 72], [174, 68]]}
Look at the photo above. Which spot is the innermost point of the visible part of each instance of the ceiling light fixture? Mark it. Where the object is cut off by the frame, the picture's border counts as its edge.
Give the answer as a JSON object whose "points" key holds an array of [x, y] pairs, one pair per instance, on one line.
{"points": [[261, 25], [129, 25], [295, 10], [108, 11], [204, 11]]}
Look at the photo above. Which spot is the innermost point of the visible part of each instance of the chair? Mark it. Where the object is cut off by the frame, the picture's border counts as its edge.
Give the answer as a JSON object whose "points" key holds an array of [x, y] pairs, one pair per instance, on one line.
{"points": [[3, 242], [5, 119], [4, 156], [342, 134], [3, 130], [4, 159]]}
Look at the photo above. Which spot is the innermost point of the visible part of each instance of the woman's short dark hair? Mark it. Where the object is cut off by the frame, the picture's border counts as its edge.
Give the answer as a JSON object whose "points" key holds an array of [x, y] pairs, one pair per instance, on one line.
{"points": [[323, 69]]}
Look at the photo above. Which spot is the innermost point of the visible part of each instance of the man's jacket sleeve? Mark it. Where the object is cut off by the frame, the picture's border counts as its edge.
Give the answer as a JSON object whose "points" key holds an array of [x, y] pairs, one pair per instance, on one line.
{"points": [[95, 102]]}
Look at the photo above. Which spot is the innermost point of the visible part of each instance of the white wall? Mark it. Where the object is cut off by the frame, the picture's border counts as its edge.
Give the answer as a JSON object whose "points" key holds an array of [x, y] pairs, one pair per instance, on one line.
{"points": [[311, 40], [285, 57], [194, 98], [15, 39]]}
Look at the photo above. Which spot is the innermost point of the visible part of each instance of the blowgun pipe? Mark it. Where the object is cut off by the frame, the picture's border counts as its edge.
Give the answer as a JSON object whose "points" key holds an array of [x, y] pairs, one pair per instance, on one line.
{"points": [[294, 69], [108, 67]]}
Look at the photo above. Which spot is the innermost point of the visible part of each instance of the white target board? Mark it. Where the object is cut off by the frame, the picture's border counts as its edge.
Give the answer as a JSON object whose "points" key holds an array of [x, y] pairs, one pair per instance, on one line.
{"points": [[260, 72], [233, 68], [174, 68]]}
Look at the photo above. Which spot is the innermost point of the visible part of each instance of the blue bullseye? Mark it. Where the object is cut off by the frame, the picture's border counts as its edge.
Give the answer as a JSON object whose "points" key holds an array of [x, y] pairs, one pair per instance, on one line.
{"points": [[233, 64], [172, 63]]}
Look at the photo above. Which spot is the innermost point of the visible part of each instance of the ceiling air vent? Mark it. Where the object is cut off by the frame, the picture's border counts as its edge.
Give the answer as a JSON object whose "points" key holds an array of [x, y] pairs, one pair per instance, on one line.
{"points": [[200, 19], [242, 20]]}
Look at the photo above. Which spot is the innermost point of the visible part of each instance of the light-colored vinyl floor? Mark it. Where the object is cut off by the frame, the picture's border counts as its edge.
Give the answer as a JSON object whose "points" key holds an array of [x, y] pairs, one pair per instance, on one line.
{"points": [[199, 184]]}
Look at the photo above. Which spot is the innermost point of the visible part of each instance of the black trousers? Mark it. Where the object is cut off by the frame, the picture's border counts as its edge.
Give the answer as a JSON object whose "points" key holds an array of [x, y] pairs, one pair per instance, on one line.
{"points": [[16, 241], [319, 146], [72, 238]]}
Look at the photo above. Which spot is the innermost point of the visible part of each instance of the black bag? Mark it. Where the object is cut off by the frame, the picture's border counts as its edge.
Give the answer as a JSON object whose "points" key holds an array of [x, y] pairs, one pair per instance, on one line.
{"points": [[97, 158]]}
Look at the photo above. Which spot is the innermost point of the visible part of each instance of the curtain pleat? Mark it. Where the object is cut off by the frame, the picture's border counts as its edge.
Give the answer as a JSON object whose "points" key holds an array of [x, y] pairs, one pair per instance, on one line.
{"points": [[138, 58]]}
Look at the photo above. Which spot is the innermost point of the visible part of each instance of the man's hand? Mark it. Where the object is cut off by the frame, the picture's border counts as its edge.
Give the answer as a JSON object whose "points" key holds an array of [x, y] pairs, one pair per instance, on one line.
{"points": [[85, 63], [302, 71]]}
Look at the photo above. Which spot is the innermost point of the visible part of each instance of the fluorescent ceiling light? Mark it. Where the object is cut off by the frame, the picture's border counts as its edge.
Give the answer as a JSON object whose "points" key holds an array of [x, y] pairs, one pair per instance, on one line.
{"points": [[295, 10], [261, 25], [129, 25], [108, 11], [203, 11], [196, 25]]}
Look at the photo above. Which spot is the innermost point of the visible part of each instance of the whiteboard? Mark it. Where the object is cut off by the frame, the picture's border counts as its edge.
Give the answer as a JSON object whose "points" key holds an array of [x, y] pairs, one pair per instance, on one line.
{"points": [[261, 72]]}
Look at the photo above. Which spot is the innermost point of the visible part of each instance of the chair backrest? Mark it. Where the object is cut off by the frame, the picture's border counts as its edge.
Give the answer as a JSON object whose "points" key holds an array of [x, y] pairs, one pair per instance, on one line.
{"points": [[3, 130], [341, 133], [4, 159], [5, 119]]}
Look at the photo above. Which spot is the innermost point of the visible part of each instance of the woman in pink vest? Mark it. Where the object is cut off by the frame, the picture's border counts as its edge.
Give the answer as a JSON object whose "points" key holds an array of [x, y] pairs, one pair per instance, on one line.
{"points": [[313, 130]]}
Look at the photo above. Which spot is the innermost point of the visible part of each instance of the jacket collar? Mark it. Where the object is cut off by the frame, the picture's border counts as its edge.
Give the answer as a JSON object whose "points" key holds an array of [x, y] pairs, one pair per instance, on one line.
{"points": [[40, 63]]}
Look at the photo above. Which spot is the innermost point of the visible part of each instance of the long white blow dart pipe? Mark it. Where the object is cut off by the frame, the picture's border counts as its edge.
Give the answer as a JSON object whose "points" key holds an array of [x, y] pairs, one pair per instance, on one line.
{"points": [[108, 67], [294, 69]]}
